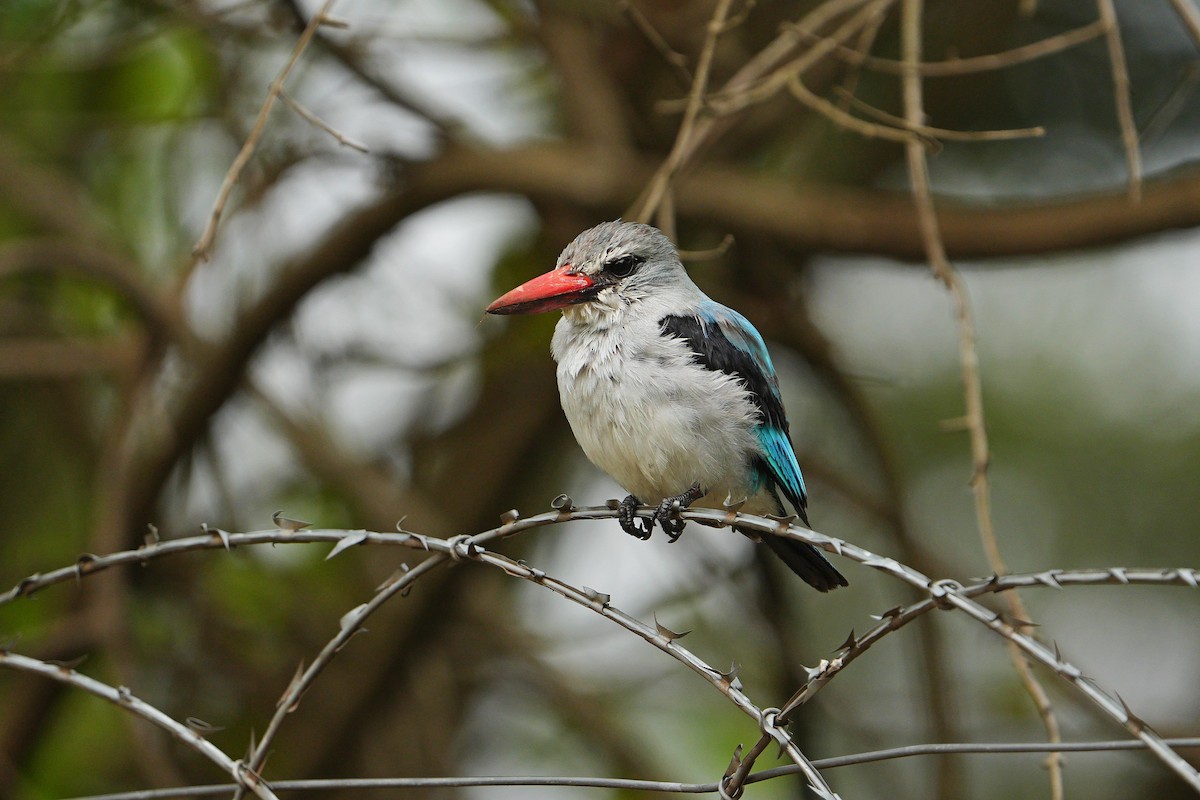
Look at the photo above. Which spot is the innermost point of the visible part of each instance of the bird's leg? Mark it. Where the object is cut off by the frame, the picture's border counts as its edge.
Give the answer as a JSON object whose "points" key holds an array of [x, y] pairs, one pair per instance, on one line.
{"points": [[634, 526], [668, 511]]}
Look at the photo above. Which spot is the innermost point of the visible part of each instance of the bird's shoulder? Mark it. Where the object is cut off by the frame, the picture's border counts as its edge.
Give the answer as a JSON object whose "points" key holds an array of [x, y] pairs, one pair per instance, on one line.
{"points": [[723, 340]]}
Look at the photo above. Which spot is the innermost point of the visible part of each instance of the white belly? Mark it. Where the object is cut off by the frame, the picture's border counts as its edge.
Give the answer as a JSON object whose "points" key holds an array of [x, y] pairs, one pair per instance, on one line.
{"points": [[654, 420]]}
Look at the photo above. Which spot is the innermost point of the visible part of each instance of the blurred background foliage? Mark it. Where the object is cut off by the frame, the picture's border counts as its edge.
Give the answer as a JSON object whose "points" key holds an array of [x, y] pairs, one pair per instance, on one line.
{"points": [[329, 358]]}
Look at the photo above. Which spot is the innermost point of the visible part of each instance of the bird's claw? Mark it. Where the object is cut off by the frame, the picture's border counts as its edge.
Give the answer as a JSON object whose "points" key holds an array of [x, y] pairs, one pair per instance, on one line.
{"points": [[667, 516], [668, 511], [635, 526]]}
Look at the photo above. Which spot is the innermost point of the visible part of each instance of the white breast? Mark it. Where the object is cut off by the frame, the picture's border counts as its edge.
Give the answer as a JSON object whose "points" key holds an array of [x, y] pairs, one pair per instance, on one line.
{"points": [[644, 412]]}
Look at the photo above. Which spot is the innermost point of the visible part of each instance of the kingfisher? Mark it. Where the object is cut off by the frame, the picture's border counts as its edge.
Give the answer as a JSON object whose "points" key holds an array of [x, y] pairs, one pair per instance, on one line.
{"points": [[669, 392]]}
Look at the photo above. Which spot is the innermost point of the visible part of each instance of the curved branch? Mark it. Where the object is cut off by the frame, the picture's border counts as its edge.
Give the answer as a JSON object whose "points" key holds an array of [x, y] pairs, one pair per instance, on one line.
{"points": [[122, 697], [941, 594], [824, 218]]}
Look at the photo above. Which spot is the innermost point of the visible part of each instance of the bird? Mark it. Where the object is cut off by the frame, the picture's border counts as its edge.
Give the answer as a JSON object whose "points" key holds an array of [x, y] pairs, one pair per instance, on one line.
{"points": [[669, 392]]}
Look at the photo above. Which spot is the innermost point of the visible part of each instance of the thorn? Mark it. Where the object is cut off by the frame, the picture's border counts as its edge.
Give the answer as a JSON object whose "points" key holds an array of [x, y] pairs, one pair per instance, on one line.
{"points": [[1048, 578], [199, 726], [822, 794], [1188, 576], [295, 679], [563, 503], [69, 664], [850, 643], [818, 671], [351, 617], [28, 585], [510, 516], [891, 613], [151, 537], [1016, 623], [84, 564], [1132, 719], [291, 685], [124, 694], [285, 524], [729, 676], [391, 579], [596, 597], [345, 543], [733, 506], [356, 632], [400, 524], [1066, 670], [1119, 574], [667, 633]]}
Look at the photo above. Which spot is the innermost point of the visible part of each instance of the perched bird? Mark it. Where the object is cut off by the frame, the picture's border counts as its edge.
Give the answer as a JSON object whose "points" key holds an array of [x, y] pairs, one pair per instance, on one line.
{"points": [[669, 392]]}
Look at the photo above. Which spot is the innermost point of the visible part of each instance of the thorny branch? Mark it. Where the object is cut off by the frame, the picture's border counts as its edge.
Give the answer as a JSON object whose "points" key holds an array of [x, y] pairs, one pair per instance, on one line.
{"points": [[941, 594], [633, 784], [122, 697]]}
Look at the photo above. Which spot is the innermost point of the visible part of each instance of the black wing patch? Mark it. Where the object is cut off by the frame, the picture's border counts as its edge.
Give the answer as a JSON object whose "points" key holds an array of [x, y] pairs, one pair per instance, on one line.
{"points": [[713, 349]]}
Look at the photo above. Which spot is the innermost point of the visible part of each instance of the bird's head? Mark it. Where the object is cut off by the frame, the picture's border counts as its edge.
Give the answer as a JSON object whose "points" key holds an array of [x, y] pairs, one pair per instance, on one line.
{"points": [[607, 268]]}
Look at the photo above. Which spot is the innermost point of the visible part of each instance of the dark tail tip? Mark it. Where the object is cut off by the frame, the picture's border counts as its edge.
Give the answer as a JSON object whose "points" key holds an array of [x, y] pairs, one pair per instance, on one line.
{"points": [[807, 562]]}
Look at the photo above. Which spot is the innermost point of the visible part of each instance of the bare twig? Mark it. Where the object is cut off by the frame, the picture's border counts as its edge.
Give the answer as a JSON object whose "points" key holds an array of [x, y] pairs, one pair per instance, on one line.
{"points": [[1120, 79], [678, 61], [204, 245], [897, 129], [918, 168], [308, 115], [710, 254], [756, 87], [862, 47], [659, 184], [991, 61], [352, 59]]}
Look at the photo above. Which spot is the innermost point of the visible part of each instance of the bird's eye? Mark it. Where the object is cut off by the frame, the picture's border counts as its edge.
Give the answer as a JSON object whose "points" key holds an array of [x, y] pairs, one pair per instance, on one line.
{"points": [[623, 266]]}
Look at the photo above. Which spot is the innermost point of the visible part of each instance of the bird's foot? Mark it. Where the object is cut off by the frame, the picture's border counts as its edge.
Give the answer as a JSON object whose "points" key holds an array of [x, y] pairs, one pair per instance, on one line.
{"points": [[635, 526], [668, 511]]}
